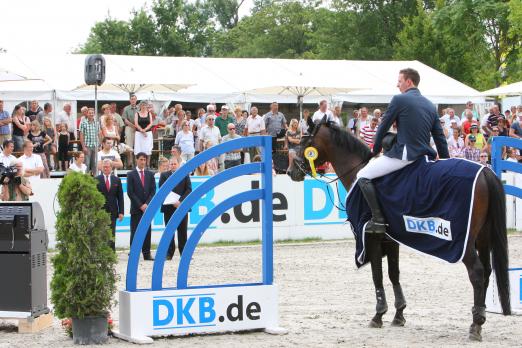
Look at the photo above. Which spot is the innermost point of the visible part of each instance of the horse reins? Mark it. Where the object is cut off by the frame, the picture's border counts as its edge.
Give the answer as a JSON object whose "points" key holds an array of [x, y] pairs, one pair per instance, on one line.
{"points": [[329, 181]]}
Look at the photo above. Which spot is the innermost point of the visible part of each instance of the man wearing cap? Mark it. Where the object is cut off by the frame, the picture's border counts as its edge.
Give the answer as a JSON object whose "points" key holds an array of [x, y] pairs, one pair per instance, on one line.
{"points": [[416, 119], [480, 141], [470, 151], [223, 120]]}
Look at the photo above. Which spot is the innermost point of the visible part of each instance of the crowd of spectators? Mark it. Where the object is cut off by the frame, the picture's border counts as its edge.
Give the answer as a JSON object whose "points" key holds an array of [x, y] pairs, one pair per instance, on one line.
{"points": [[42, 142]]}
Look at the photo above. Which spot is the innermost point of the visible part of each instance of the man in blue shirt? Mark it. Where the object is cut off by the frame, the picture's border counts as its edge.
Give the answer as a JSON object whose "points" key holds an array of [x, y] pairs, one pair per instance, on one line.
{"points": [[5, 124]]}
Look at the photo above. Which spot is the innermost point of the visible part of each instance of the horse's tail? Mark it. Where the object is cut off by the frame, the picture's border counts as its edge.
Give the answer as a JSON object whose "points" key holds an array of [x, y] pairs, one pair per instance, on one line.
{"points": [[498, 237]]}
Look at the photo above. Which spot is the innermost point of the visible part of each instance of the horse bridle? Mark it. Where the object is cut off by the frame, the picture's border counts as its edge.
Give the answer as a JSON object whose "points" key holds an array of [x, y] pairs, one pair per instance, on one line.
{"points": [[300, 162], [300, 165]]}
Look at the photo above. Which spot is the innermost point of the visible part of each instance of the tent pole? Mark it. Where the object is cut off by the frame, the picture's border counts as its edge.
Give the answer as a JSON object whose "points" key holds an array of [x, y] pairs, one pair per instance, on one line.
{"points": [[300, 102], [99, 125], [96, 101]]}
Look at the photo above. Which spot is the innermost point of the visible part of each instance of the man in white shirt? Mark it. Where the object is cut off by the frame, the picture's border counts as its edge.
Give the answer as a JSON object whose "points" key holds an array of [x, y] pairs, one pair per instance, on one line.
{"points": [[210, 132], [449, 117], [6, 157], [107, 152], [65, 117], [33, 165], [323, 111], [255, 126], [337, 116]]}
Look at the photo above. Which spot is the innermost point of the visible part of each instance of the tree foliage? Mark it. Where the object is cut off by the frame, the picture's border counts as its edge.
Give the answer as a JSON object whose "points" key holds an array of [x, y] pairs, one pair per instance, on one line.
{"points": [[475, 41], [84, 279]]}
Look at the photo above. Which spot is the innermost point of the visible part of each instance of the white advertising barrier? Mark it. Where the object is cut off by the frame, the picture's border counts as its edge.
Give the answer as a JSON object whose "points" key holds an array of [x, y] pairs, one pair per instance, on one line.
{"points": [[492, 300], [300, 210], [202, 310], [508, 178]]}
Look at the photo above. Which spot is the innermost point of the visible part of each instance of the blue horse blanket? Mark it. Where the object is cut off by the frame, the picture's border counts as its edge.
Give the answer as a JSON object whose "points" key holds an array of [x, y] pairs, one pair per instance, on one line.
{"points": [[427, 204]]}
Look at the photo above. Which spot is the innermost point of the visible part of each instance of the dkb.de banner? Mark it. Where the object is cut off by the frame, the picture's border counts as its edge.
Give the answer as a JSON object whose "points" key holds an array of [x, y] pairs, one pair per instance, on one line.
{"points": [[300, 210]]}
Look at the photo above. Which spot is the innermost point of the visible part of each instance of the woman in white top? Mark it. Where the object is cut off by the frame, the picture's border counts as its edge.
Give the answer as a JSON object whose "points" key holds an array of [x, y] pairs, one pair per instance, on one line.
{"points": [[196, 128], [185, 140], [109, 128], [456, 144], [143, 137], [78, 164]]}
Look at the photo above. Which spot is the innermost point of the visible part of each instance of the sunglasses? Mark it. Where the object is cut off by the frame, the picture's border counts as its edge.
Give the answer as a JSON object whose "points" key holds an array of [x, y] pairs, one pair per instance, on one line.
{"points": [[232, 128], [483, 156]]}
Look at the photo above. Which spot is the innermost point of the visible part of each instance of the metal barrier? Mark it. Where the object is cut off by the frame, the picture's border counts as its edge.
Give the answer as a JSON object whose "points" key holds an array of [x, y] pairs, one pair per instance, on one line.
{"points": [[161, 310]]}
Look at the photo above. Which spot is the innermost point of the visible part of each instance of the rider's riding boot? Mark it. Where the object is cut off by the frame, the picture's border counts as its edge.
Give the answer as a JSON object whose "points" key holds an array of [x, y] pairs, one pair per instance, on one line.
{"points": [[378, 223], [382, 305]]}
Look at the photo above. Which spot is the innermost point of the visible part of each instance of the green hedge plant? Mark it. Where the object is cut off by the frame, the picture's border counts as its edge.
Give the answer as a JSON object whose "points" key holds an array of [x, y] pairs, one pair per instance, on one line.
{"points": [[84, 279]]}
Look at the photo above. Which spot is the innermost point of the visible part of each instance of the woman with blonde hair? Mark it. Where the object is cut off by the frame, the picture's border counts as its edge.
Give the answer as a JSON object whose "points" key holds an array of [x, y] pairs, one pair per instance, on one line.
{"points": [[163, 166], [51, 149], [185, 140], [211, 163], [109, 128], [293, 139], [203, 170], [40, 140]]}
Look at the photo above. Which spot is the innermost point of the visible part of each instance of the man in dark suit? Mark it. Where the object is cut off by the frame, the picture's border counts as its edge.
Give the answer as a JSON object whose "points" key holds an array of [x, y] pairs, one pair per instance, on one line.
{"points": [[110, 186], [141, 187], [183, 189], [416, 119]]}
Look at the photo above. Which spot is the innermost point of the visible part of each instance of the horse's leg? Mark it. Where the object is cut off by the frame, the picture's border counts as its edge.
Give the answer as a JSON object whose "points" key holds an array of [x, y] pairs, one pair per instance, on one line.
{"points": [[374, 251], [392, 253], [484, 248], [476, 276]]}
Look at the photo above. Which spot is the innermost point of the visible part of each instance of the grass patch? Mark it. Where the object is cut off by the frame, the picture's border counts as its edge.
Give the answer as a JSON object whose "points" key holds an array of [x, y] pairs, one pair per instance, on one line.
{"points": [[512, 231]]}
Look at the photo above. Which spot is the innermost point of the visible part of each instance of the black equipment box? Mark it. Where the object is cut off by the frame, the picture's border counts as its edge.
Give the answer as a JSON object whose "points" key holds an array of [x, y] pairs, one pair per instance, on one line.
{"points": [[23, 258]]}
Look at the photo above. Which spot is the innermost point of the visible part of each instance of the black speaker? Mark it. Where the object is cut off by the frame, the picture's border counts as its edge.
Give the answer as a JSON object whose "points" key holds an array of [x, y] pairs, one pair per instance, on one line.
{"points": [[94, 69], [23, 259]]}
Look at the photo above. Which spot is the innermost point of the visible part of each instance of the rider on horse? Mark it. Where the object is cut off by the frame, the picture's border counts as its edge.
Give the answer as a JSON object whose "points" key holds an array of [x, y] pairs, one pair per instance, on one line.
{"points": [[416, 118]]}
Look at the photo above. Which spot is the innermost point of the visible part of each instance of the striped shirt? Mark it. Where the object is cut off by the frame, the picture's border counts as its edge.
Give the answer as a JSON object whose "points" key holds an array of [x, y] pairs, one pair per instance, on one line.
{"points": [[368, 135]]}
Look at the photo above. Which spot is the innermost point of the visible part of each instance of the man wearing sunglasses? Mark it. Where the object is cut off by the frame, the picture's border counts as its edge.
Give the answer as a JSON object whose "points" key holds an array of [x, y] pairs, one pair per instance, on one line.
{"points": [[232, 158]]}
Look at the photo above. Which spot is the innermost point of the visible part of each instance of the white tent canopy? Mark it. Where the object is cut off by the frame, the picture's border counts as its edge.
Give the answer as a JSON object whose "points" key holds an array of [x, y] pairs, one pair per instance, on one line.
{"points": [[511, 89], [230, 80]]}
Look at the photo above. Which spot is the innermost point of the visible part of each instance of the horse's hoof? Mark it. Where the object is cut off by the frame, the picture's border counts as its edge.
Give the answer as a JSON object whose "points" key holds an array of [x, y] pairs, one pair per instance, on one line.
{"points": [[374, 324], [398, 321], [376, 321], [475, 333]]}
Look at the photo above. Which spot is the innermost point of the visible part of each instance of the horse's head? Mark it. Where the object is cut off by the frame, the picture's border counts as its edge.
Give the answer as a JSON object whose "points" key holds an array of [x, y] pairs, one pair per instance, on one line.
{"points": [[312, 151]]}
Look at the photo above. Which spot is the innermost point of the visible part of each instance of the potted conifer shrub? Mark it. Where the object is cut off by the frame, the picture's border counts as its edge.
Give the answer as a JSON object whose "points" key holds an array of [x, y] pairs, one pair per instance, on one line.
{"points": [[84, 279]]}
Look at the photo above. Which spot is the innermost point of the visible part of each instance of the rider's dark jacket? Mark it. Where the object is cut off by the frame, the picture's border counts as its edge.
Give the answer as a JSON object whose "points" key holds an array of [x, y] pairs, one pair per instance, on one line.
{"points": [[416, 119]]}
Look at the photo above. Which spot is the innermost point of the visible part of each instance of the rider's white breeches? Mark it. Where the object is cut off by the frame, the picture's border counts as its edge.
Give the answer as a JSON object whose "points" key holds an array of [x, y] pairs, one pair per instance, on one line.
{"points": [[381, 166]]}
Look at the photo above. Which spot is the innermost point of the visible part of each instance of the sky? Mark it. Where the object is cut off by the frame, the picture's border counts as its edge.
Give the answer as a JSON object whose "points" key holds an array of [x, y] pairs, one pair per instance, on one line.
{"points": [[59, 26]]}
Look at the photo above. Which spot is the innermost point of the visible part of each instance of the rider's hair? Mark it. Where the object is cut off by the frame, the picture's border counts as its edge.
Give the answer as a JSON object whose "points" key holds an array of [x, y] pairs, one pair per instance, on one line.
{"points": [[411, 74]]}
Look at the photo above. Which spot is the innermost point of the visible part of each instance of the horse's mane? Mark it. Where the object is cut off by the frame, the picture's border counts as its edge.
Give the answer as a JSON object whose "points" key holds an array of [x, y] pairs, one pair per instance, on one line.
{"points": [[348, 141]]}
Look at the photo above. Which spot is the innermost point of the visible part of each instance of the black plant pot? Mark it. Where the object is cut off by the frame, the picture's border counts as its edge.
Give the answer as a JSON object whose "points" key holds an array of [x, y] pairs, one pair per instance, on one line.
{"points": [[90, 330]]}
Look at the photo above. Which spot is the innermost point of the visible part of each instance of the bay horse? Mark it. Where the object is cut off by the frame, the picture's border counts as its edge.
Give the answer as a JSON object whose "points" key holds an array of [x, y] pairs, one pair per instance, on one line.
{"points": [[487, 234]]}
